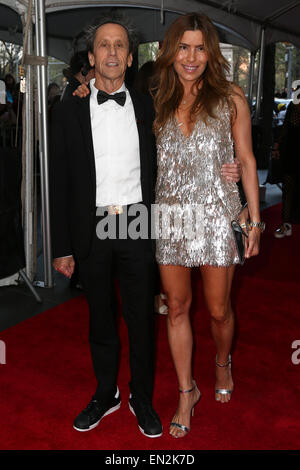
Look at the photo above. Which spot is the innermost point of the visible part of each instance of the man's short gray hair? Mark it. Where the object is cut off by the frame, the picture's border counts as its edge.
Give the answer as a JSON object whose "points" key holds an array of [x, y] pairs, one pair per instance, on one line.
{"points": [[116, 18]]}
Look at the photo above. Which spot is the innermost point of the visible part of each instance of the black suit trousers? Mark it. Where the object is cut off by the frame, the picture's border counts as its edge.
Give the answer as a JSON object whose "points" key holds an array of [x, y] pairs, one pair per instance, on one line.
{"points": [[132, 263]]}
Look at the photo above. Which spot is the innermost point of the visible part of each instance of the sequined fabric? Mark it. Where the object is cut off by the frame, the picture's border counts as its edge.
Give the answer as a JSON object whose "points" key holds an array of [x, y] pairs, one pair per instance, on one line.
{"points": [[189, 176]]}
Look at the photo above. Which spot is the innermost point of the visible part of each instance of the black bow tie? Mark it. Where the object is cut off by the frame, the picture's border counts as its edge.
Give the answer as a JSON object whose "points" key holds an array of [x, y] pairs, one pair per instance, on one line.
{"points": [[119, 98]]}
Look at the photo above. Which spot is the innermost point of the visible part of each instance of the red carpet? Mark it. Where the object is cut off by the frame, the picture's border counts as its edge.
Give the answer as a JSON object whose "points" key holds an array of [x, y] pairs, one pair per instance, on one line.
{"points": [[48, 376]]}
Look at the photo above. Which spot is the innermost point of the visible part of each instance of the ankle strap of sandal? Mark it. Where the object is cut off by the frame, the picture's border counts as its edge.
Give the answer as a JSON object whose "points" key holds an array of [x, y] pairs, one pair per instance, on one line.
{"points": [[190, 390], [226, 363]]}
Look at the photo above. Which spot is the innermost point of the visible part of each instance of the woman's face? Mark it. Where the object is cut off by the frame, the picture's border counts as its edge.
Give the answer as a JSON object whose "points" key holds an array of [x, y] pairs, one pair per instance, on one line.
{"points": [[191, 58], [9, 80]]}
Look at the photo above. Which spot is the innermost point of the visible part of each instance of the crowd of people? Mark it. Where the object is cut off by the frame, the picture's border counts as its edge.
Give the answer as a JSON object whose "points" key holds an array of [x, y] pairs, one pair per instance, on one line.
{"points": [[10, 109]]}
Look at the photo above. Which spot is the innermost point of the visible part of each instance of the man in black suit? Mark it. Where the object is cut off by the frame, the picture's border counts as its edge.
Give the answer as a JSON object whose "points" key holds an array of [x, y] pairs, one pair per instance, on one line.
{"points": [[103, 160]]}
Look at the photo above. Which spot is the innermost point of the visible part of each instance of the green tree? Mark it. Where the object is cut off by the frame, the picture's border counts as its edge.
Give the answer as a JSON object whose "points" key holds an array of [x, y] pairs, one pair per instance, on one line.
{"points": [[10, 55], [147, 52], [296, 61], [55, 71], [241, 64], [281, 65]]}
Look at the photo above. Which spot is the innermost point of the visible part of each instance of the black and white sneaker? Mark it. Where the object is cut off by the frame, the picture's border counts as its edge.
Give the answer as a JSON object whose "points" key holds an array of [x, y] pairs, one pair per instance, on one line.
{"points": [[91, 416], [148, 421]]}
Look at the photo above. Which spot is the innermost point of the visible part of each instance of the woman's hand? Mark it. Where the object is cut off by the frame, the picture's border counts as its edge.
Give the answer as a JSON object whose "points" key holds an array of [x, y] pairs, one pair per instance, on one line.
{"points": [[82, 91], [252, 242], [244, 215]]}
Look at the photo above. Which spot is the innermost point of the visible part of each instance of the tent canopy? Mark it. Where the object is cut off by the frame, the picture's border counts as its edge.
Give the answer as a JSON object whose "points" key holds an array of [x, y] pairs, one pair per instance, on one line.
{"points": [[238, 21]]}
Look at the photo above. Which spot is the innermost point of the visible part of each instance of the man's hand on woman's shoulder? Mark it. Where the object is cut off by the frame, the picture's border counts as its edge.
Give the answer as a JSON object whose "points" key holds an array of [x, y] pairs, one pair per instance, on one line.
{"points": [[82, 91], [232, 171]]}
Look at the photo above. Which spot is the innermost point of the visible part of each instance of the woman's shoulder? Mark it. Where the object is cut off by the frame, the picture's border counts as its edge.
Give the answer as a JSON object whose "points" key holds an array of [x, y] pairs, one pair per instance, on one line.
{"points": [[237, 94], [239, 101]]}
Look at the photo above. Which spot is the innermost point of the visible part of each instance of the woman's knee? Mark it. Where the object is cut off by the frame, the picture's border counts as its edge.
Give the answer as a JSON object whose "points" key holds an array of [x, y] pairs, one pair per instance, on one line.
{"points": [[178, 309], [220, 313]]}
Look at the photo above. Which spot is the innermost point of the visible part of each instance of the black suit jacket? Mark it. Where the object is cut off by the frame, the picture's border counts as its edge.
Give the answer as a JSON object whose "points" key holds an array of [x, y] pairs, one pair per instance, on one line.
{"points": [[73, 176]]}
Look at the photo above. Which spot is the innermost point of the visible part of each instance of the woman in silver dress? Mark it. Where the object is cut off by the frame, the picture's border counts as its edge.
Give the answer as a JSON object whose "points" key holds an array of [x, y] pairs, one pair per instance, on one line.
{"points": [[201, 118]]}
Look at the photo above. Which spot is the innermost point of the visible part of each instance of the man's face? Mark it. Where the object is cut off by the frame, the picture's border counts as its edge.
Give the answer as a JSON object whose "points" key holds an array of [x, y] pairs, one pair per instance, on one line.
{"points": [[111, 55]]}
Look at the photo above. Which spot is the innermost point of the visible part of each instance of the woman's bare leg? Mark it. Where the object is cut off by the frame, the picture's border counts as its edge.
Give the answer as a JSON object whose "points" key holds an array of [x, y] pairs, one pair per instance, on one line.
{"points": [[176, 281], [217, 283]]}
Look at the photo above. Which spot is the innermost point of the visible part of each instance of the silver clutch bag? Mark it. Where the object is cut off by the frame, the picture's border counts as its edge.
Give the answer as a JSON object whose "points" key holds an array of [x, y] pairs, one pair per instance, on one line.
{"points": [[239, 236]]}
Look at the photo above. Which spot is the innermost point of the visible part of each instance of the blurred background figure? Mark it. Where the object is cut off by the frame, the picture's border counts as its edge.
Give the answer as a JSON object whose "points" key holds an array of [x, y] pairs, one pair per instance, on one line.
{"points": [[53, 93], [287, 149], [8, 111], [281, 114], [10, 108], [143, 77], [78, 72], [11, 90]]}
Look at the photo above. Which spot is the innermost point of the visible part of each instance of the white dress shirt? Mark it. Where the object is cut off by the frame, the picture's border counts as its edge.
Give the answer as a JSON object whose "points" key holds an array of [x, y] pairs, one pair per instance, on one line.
{"points": [[116, 150]]}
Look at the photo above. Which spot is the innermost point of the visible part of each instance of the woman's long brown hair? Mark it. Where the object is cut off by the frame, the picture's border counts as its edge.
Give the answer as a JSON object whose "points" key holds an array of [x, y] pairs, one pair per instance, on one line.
{"points": [[167, 89]]}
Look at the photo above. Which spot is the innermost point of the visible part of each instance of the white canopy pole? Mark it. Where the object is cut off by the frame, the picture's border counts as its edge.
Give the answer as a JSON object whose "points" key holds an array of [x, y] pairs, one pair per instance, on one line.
{"points": [[251, 79], [28, 148], [43, 138], [260, 76]]}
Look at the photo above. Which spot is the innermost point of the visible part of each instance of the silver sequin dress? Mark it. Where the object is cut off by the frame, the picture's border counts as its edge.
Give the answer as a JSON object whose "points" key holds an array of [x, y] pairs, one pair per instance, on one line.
{"points": [[191, 191]]}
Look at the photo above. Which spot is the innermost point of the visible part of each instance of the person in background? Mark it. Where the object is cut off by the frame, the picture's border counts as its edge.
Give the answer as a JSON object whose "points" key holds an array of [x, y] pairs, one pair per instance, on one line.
{"points": [[281, 114], [8, 111], [53, 93], [11, 90], [79, 71], [286, 148], [142, 81]]}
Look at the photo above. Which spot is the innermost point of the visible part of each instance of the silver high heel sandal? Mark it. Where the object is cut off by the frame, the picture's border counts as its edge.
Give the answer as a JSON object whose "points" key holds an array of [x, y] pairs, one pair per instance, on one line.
{"points": [[224, 391], [183, 428]]}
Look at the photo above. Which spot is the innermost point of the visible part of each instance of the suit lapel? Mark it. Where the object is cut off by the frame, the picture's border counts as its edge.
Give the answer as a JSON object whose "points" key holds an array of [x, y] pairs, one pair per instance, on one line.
{"points": [[83, 109], [140, 121]]}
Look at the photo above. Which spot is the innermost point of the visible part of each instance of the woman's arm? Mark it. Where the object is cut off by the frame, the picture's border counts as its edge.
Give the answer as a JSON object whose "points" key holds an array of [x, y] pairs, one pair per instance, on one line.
{"points": [[242, 135]]}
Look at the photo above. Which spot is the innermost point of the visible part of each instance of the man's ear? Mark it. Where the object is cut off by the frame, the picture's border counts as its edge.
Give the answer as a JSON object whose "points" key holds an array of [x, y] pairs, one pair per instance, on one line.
{"points": [[130, 60], [91, 59]]}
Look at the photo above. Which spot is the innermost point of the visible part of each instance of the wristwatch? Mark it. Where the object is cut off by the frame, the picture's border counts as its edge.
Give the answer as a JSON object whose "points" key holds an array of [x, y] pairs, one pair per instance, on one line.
{"points": [[260, 225]]}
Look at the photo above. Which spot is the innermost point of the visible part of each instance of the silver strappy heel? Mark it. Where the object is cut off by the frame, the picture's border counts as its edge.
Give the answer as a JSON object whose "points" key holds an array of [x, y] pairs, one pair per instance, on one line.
{"points": [[183, 428], [224, 391]]}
